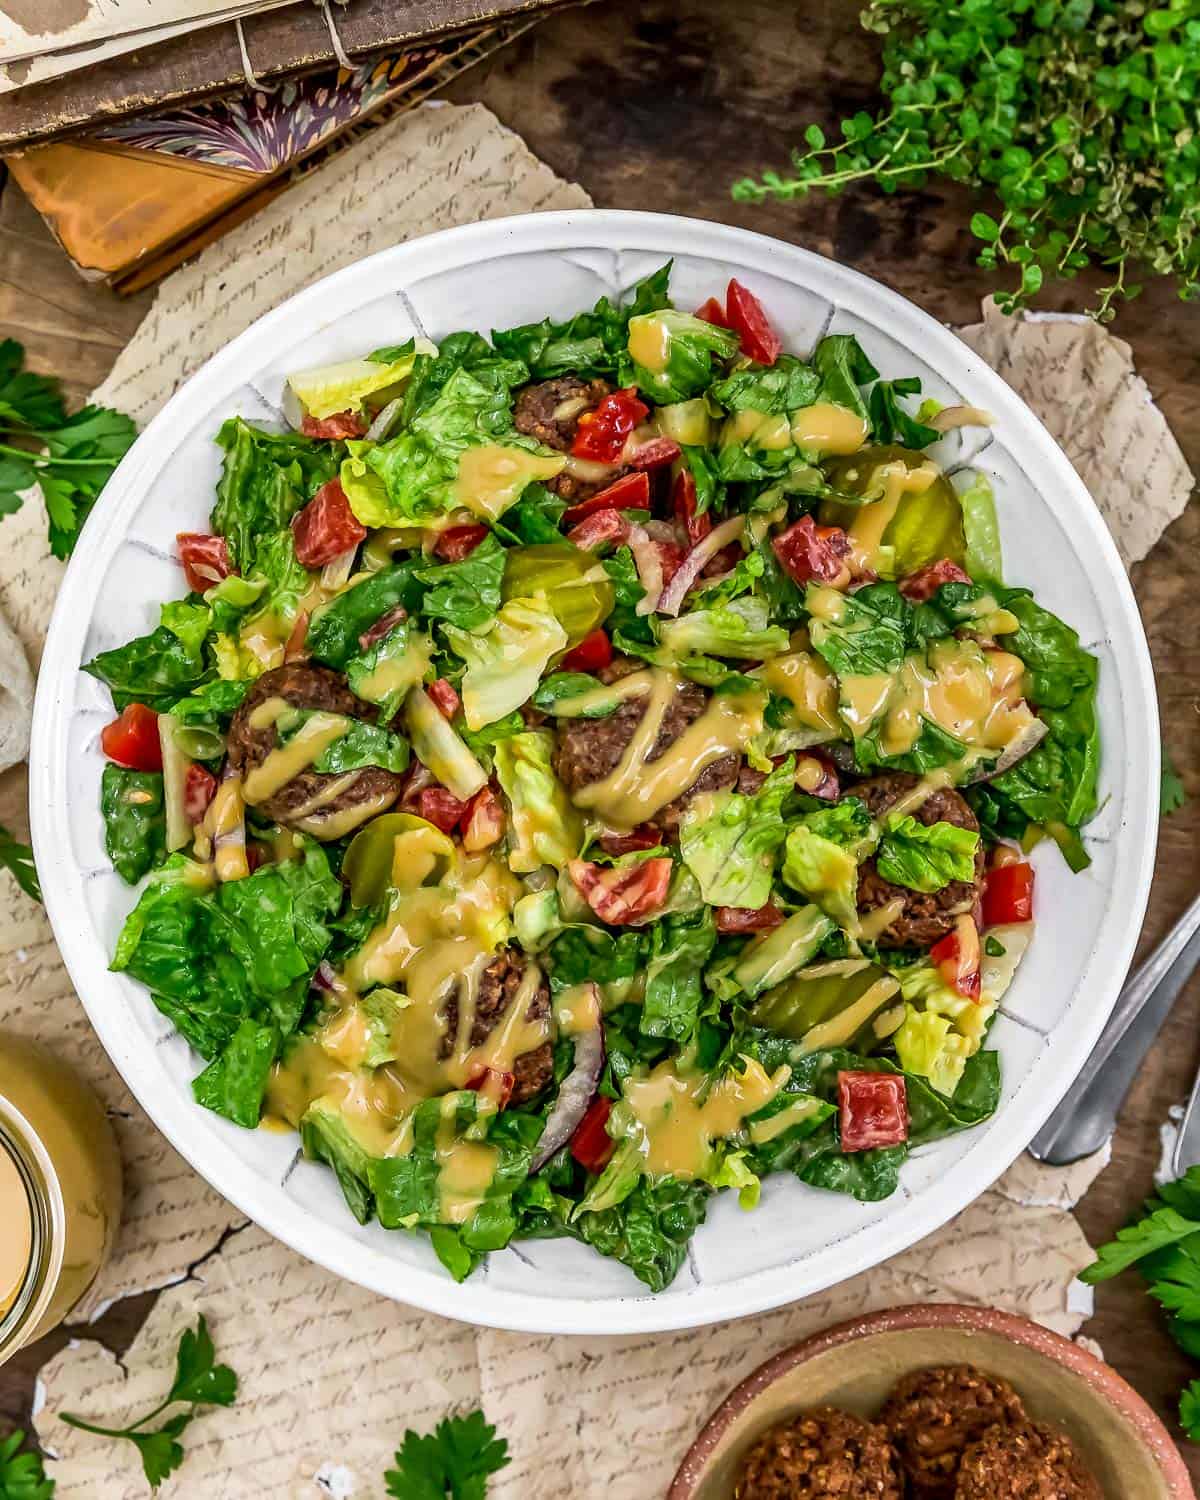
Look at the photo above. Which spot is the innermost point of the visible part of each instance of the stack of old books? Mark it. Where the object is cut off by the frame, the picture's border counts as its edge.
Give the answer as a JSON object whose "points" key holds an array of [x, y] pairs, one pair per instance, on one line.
{"points": [[143, 129]]}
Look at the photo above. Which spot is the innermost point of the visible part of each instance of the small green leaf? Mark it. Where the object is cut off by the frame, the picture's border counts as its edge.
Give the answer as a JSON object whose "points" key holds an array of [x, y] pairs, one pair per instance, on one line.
{"points": [[22, 1475], [984, 227], [815, 137], [197, 1378], [18, 858], [1171, 793], [161, 1452]]}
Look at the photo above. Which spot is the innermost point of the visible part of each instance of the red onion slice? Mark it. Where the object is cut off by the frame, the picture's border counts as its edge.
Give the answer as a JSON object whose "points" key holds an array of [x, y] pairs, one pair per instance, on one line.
{"points": [[385, 420], [951, 417], [336, 573], [576, 1093], [648, 562], [692, 566]]}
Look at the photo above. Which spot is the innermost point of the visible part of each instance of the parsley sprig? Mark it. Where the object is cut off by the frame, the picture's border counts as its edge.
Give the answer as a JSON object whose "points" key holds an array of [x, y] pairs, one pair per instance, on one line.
{"points": [[78, 453], [199, 1381], [1079, 116], [18, 858], [1172, 794], [22, 1474], [1165, 1246], [451, 1463]]}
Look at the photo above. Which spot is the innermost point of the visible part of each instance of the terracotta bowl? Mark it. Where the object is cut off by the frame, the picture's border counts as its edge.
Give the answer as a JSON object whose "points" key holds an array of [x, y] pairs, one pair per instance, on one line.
{"points": [[855, 1365]]}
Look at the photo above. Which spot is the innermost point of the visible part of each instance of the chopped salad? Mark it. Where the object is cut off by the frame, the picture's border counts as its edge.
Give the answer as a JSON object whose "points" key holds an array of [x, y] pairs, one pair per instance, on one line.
{"points": [[593, 768]]}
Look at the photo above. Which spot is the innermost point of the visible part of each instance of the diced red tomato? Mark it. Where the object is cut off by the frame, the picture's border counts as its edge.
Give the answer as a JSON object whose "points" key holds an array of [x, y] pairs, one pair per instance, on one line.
{"points": [[926, 581], [326, 527], [440, 807], [1008, 895], [457, 542], [626, 893], [382, 627], [445, 698], [654, 454], [683, 507], [958, 958], [810, 552], [712, 312], [255, 856], [602, 433], [874, 1110], [745, 314], [598, 529], [733, 919], [205, 559], [199, 788], [592, 653], [483, 821], [591, 1145], [132, 739], [630, 492], [495, 1083], [343, 424], [644, 836]]}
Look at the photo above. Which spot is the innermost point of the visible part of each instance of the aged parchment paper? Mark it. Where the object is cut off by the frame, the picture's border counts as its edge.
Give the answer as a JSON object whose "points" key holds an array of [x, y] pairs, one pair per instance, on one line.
{"points": [[584, 1416]]}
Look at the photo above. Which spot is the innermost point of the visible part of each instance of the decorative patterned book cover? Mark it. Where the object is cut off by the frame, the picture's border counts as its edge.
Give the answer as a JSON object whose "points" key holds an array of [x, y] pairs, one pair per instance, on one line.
{"points": [[129, 200]]}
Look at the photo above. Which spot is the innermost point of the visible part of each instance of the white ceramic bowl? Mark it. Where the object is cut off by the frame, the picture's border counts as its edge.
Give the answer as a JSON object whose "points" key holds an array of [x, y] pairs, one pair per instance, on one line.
{"points": [[512, 271]]}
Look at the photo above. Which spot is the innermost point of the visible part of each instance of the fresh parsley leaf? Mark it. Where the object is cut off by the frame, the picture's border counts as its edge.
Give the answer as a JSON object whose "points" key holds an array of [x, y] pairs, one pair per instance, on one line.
{"points": [[22, 1474], [451, 1463], [26, 399], [1189, 1410], [1171, 793], [18, 858], [199, 1381], [1157, 1231]]}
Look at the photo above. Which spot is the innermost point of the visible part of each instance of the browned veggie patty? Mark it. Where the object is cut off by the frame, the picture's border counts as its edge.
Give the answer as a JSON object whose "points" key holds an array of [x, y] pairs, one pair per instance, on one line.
{"points": [[824, 1454], [932, 1416], [926, 917], [1029, 1462], [533, 1070], [306, 686]]}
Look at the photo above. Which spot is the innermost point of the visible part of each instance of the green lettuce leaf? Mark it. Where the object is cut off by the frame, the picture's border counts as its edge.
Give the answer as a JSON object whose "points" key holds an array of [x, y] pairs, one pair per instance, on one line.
{"points": [[466, 593], [870, 634], [782, 387], [679, 948], [334, 631], [235, 1081], [362, 745], [649, 1231], [925, 856], [506, 658], [691, 346], [156, 669], [730, 842], [265, 478], [545, 828], [891, 422], [741, 628], [840, 362], [384, 672], [131, 804], [822, 856]]}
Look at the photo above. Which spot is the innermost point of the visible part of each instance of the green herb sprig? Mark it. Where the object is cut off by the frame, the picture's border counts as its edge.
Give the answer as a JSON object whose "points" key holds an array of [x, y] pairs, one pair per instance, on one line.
{"points": [[451, 1463], [1082, 117], [199, 1381], [1172, 794], [79, 452], [18, 858], [22, 1474]]}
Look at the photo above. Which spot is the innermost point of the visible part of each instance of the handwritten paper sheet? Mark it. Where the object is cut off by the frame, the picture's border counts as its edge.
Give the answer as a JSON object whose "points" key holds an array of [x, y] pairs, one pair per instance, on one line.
{"points": [[584, 1416]]}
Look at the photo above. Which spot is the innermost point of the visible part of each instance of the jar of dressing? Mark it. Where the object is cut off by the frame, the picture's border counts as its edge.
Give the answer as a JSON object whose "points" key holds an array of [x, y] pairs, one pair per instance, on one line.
{"points": [[60, 1192]]}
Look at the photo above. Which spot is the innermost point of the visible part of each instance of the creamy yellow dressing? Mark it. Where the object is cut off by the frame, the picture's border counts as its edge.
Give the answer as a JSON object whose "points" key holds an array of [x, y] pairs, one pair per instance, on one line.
{"points": [[285, 762], [808, 685], [759, 428], [649, 342], [828, 430], [800, 1109], [329, 826], [491, 476], [637, 788], [867, 529], [577, 1009], [839, 1030], [394, 675], [679, 1115]]}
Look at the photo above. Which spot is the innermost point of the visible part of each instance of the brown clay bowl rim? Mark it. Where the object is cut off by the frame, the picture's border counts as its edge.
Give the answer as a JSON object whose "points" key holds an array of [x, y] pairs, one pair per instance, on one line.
{"points": [[1103, 1378]]}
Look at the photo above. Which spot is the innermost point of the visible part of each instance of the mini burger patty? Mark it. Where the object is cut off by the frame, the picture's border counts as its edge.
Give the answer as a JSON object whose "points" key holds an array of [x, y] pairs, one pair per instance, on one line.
{"points": [[590, 749], [501, 979], [926, 916], [304, 686], [1028, 1462], [933, 1416], [824, 1454]]}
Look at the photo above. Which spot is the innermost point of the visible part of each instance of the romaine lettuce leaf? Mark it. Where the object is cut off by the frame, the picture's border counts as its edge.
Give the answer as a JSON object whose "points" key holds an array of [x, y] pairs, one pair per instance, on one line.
{"points": [[729, 842], [823, 853], [466, 593], [925, 856], [843, 367], [156, 669], [265, 478], [131, 804], [891, 422], [649, 1230], [680, 350], [384, 672], [679, 949], [235, 1081], [546, 829], [334, 631], [868, 634], [506, 658], [362, 745], [741, 628], [782, 387]]}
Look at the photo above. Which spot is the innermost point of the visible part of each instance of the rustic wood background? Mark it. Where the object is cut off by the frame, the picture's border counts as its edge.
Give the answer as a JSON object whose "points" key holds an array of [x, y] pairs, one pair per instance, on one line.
{"points": [[661, 105]]}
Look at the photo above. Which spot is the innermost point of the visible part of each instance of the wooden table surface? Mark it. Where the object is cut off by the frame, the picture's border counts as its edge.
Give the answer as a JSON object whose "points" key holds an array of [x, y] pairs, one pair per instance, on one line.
{"points": [[661, 105]]}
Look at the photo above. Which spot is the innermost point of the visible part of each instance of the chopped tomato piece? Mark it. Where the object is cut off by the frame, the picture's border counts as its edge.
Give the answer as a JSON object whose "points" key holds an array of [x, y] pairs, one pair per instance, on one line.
{"points": [[483, 821], [205, 559], [654, 454], [625, 893], [630, 492], [440, 807], [602, 432], [495, 1083], [733, 919], [712, 312], [874, 1110], [808, 551], [383, 626], [343, 424], [326, 527], [598, 529], [745, 314], [445, 698], [199, 788], [132, 739], [683, 507], [926, 581], [457, 542], [644, 836], [1008, 895], [958, 958], [592, 653], [591, 1145]]}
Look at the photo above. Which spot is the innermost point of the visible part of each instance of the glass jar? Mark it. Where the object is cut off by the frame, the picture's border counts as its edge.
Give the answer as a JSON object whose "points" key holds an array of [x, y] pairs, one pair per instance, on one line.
{"points": [[60, 1191]]}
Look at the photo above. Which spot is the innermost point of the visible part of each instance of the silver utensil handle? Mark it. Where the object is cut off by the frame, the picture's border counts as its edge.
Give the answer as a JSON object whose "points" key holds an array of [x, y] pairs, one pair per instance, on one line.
{"points": [[1087, 1116]]}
